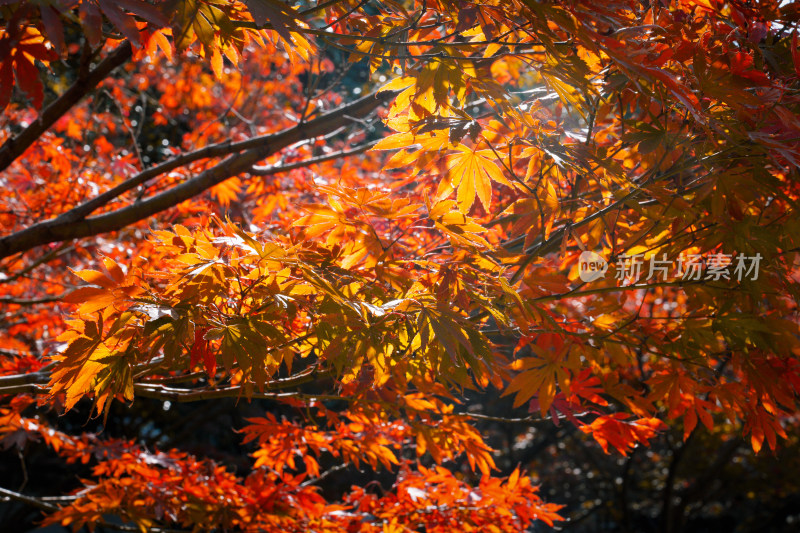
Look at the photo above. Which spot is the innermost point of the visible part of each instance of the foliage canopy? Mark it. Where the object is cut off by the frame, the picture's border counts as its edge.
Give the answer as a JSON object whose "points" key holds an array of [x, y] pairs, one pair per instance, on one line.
{"points": [[355, 215]]}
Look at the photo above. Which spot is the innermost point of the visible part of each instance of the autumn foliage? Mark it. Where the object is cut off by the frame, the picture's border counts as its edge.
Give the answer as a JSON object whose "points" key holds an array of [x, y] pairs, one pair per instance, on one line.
{"points": [[357, 224]]}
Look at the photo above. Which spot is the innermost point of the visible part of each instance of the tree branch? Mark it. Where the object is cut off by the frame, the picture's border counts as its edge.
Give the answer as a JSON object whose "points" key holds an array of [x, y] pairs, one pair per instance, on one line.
{"points": [[155, 390], [23, 379], [40, 503], [530, 420], [35, 502], [30, 301], [187, 395], [276, 169], [64, 227], [16, 146]]}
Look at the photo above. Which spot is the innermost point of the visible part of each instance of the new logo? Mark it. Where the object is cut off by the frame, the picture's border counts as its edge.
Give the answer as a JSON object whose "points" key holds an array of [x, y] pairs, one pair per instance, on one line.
{"points": [[592, 266]]}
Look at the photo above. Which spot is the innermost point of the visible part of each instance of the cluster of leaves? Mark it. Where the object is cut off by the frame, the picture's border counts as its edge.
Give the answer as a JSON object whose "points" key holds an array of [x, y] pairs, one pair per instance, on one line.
{"points": [[174, 487]]}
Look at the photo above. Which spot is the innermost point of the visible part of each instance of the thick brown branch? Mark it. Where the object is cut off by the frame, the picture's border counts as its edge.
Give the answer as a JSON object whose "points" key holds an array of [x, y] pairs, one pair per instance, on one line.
{"points": [[253, 150], [213, 150], [31, 301], [152, 390], [16, 146], [276, 169], [23, 389], [24, 379], [186, 395]]}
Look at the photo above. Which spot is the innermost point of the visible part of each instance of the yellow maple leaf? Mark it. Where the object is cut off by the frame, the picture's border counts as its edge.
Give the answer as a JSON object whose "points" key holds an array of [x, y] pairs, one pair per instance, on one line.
{"points": [[471, 174]]}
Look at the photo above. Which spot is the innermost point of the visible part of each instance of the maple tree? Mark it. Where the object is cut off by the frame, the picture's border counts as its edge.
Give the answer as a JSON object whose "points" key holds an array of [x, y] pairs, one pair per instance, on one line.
{"points": [[355, 224]]}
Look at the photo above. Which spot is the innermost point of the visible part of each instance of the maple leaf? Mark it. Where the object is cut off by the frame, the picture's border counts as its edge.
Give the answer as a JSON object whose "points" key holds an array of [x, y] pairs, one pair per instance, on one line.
{"points": [[539, 373], [104, 289], [201, 351], [455, 224], [616, 430], [471, 173], [21, 47], [117, 12], [280, 17], [538, 378]]}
